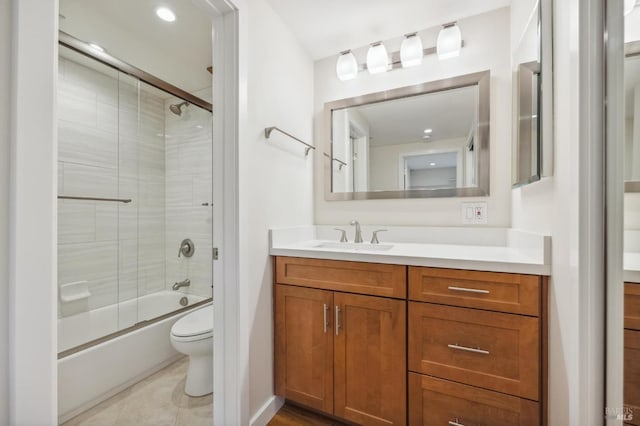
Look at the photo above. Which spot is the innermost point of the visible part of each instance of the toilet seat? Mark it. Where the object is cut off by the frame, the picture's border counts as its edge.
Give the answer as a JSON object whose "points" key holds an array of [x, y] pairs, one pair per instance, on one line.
{"points": [[197, 325], [195, 338]]}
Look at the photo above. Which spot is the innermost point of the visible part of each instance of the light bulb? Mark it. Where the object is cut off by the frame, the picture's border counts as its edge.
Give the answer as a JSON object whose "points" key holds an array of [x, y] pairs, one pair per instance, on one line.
{"points": [[377, 58], [346, 66], [411, 53], [449, 41], [165, 14]]}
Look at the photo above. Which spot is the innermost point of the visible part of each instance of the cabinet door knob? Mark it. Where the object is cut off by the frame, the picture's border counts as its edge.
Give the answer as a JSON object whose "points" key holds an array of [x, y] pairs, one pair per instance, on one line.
{"points": [[324, 311], [468, 290], [468, 349]]}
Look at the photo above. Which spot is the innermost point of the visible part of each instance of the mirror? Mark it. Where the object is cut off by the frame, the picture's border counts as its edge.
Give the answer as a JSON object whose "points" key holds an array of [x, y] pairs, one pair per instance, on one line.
{"points": [[426, 140], [632, 117], [532, 153]]}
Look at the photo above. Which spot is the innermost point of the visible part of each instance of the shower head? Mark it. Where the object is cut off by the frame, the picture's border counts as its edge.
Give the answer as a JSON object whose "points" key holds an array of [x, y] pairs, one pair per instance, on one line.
{"points": [[177, 108]]}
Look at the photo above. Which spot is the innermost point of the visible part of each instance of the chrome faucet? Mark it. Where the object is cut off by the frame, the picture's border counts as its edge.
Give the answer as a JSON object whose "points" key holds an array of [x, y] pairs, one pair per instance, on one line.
{"points": [[185, 283], [358, 238]]}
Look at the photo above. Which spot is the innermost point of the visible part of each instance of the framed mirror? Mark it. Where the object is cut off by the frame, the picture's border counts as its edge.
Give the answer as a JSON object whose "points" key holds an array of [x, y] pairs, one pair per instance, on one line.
{"points": [[632, 117], [426, 140], [532, 100]]}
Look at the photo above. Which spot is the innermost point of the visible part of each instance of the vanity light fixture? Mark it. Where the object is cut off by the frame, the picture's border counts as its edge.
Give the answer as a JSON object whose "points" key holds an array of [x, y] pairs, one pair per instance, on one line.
{"points": [[377, 58], [346, 67], [449, 44], [629, 5], [449, 41], [411, 51], [165, 14]]}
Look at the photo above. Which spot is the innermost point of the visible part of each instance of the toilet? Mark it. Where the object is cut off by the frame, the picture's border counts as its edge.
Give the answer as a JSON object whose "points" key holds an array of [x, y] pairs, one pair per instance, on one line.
{"points": [[192, 335]]}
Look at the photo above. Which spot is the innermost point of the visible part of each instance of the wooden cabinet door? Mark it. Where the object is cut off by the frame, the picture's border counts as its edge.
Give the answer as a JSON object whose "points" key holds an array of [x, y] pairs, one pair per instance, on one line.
{"points": [[370, 359], [304, 346], [632, 374], [442, 402]]}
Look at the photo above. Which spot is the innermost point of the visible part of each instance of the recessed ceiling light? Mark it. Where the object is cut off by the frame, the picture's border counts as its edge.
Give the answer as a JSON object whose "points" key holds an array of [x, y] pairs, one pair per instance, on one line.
{"points": [[96, 47], [165, 14], [432, 164], [427, 131]]}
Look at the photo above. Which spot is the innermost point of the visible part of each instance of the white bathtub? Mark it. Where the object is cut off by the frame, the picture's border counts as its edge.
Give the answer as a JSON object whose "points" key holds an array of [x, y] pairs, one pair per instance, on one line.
{"points": [[87, 377]]}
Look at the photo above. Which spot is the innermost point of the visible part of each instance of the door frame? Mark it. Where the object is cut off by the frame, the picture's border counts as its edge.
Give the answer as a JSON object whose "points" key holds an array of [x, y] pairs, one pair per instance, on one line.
{"points": [[33, 213]]}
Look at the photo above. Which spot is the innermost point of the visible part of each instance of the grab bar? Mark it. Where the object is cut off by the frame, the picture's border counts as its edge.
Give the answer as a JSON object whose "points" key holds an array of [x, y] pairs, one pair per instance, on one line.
{"points": [[116, 200], [267, 134]]}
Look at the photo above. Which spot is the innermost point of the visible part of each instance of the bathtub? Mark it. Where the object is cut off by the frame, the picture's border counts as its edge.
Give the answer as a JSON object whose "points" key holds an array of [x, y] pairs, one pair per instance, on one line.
{"points": [[90, 373]]}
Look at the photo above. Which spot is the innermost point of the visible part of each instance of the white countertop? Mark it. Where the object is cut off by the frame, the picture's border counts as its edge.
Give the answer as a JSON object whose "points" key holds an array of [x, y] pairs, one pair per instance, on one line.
{"points": [[483, 249]]}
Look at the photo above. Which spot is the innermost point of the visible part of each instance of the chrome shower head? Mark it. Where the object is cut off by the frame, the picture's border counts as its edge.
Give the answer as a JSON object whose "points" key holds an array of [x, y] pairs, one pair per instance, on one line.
{"points": [[177, 108]]}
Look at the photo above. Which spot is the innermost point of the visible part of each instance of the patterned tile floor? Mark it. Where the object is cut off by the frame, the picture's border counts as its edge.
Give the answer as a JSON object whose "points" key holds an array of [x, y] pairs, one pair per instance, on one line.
{"points": [[158, 400]]}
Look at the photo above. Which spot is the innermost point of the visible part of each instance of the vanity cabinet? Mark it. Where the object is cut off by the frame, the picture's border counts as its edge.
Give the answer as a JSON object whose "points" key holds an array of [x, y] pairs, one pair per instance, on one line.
{"points": [[632, 351], [379, 344], [479, 334], [341, 353]]}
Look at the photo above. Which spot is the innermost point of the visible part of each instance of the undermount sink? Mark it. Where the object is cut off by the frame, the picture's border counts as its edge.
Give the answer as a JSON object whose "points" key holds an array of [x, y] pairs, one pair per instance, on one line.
{"points": [[355, 246]]}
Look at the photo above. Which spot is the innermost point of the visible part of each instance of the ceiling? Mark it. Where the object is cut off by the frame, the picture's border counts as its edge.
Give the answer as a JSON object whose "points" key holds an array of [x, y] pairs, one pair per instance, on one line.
{"points": [[326, 27], [177, 52], [450, 114]]}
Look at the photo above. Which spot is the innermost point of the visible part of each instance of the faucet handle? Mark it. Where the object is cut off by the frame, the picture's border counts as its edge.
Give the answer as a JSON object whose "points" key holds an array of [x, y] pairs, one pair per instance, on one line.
{"points": [[343, 236], [374, 237]]}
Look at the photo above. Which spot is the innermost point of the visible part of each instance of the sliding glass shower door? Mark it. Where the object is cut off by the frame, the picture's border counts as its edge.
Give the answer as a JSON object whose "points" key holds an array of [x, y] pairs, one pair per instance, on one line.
{"points": [[135, 168]]}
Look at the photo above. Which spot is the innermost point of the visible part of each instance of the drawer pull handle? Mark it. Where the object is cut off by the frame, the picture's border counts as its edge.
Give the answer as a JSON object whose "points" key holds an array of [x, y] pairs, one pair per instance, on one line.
{"points": [[468, 290], [455, 423], [337, 320], [324, 311], [465, 348]]}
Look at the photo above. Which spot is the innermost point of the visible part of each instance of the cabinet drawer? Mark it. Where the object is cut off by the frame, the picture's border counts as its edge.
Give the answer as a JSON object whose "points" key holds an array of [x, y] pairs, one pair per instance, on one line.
{"points": [[492, 350], [514, 293], [375, 279], [632, 306], [632, 374], [435, 401]]}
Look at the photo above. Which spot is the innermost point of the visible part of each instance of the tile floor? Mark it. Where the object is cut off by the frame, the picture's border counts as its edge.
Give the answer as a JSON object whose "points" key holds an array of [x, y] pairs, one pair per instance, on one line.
{"points": [[158, 400]]}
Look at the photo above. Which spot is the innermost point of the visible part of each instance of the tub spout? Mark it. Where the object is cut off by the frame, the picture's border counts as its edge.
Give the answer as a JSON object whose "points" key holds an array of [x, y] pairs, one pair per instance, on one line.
{"points": [[185, 283]]}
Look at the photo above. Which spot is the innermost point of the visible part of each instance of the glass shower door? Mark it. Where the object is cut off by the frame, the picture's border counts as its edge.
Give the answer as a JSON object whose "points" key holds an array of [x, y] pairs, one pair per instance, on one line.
{"points": [[88, 199]]}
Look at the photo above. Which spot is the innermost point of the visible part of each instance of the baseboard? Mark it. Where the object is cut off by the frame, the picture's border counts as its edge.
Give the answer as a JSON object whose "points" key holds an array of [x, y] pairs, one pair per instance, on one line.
{"points": [[267, 411]]}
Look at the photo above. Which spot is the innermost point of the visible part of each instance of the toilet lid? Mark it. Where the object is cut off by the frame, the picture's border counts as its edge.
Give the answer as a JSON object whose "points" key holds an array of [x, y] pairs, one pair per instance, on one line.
{"points": [[198, 322]]}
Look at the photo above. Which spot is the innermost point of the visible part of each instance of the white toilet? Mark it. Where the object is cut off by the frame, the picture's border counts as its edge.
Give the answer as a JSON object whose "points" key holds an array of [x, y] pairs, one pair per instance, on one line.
{"points": [[193, 335]]}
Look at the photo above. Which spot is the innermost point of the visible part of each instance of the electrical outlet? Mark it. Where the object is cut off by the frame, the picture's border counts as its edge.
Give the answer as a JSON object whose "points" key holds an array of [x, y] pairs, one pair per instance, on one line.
{"points": [[474, 213]]}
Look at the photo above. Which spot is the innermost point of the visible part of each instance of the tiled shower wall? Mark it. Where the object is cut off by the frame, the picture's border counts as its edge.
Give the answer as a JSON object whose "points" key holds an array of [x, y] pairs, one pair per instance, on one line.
{"points": [[188, 196], [111, 144]]}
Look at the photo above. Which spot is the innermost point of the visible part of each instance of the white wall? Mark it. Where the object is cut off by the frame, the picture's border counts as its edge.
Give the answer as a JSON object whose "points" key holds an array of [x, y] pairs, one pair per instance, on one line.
{"points": [[487, 48], [5, 95], [552, 206], [275, 177]]}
